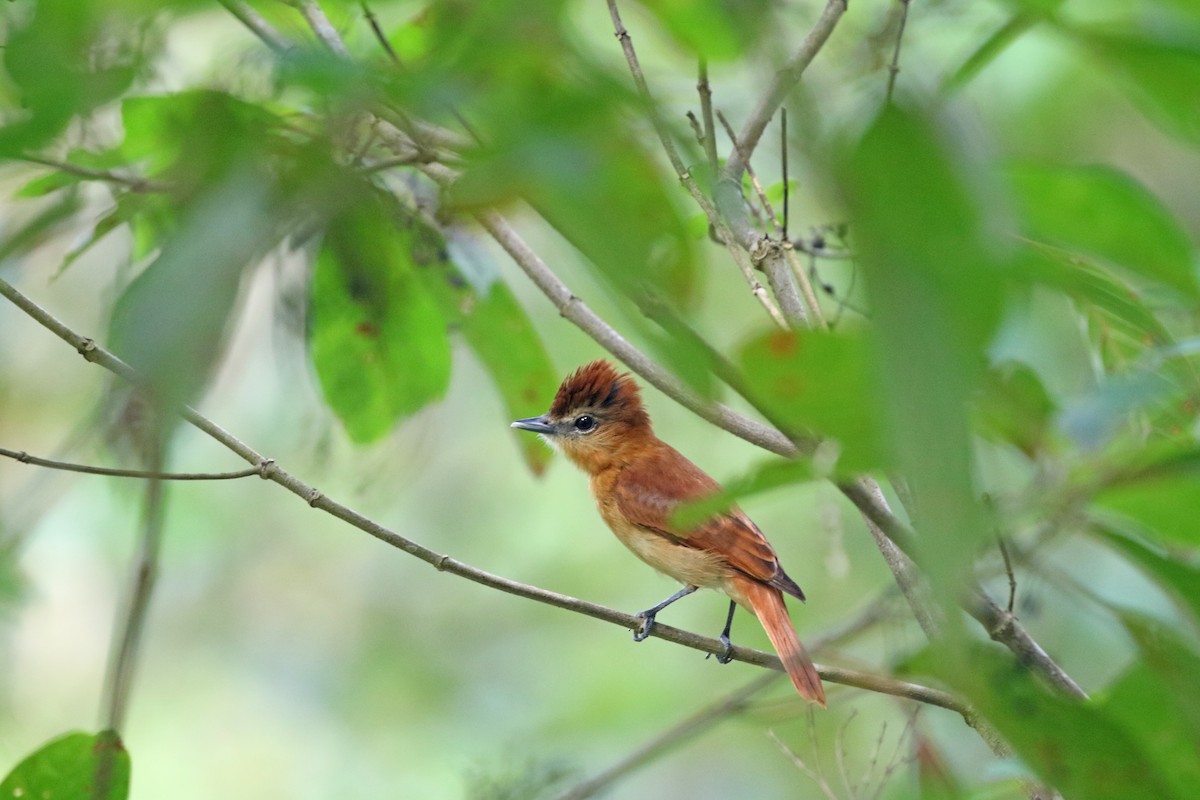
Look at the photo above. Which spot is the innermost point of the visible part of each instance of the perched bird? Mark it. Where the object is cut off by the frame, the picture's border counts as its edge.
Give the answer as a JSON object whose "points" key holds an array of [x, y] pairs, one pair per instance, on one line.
{"points": [[597, 420]]}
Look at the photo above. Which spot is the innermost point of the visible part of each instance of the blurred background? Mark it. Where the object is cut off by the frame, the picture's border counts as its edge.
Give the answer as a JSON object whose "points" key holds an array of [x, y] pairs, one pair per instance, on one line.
{"points": [[287, 654]]}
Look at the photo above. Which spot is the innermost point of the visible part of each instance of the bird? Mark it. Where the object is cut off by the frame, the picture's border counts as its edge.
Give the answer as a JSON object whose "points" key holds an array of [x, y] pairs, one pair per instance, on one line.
{"points": [[599, 422]]}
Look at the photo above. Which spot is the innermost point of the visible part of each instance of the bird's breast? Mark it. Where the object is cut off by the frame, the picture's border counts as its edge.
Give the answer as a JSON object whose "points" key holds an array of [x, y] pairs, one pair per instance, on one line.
{"points": [[685, 564]]}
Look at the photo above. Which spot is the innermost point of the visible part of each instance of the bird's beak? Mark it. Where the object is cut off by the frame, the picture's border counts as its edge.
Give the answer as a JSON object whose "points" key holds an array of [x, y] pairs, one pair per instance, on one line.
{"points": [[535, 424]]}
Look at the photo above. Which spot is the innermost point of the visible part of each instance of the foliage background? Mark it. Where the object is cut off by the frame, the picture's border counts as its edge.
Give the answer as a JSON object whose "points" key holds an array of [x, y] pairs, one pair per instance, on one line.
{"points": [[287, 655]]}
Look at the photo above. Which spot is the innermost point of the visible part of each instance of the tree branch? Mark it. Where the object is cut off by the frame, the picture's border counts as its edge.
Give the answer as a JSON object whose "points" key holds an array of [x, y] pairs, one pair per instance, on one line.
{"points": [[314, 15], [784, 80], [254, 22], [715, 218], [894, 67], [271, 471], [134, 183], [25, 458]]}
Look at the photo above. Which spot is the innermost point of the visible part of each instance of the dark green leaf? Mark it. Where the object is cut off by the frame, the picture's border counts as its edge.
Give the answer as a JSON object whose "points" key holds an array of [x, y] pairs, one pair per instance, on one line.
{"points": [[500, 333], [378, 339], [1165, 506], [824, 385], [76, 766], [1104, 213]]}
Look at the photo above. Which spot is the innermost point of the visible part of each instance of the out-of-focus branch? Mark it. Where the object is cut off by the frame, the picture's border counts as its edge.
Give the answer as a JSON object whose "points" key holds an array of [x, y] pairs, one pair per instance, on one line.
{"points": [[113, 472], [254, 22], [135, 183], [781, 84]]}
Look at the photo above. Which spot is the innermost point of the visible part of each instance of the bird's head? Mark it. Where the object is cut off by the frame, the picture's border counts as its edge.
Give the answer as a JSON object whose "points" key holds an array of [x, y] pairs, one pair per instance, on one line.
{"points": [[595, 418]]}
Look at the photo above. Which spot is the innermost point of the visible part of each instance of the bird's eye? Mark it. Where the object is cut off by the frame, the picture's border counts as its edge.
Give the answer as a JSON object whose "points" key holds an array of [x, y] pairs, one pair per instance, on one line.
{"points": [[584, 423]]}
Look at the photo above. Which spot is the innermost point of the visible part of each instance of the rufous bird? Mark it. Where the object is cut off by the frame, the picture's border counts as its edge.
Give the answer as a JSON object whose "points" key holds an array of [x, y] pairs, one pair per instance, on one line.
{"points": [[597, 420]]}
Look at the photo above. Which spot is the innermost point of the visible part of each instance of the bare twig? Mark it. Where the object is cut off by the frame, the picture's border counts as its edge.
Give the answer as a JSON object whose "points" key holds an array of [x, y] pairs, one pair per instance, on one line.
{"points": [[693, 726], [96, 354], [706, 113], [814, 775], [128, 631], [715, 219], [134, 183], [894, 67], [25, 458], [754, 181], [373, 21], [254, 22], [1008, 570], [314, 15], [784, 80]]}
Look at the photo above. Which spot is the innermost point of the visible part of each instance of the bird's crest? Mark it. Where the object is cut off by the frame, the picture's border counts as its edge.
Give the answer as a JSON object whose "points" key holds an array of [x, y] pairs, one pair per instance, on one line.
{"points": [[599, 388]]}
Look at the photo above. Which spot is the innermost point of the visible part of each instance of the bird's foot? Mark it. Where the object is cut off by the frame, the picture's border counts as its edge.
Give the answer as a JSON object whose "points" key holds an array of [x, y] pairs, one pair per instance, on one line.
{"points": [[725, 656], [644, 629]]}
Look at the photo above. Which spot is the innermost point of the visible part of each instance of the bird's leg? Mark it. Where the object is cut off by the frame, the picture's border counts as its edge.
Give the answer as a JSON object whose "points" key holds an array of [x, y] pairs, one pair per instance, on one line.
{"points": [[727, 655], [648, 615]]}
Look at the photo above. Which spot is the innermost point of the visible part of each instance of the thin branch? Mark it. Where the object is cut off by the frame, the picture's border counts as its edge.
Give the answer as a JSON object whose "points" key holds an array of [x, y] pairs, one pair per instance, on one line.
{"points": [[894, 67], [784, 80], [270, 470], [379, 34], [134, 183], [706, 113], [692, 726], [814, 775], [254, 22], [715, 219], [314, 15], [127, 634], [754, 182], [25, 458]]}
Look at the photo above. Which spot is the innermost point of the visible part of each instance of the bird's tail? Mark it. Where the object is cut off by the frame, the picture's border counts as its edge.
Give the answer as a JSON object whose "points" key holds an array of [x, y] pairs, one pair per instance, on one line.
{"points": [[768, 606]]}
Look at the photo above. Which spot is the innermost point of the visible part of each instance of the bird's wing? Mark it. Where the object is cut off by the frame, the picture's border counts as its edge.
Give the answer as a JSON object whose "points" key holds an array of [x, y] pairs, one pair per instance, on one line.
{"points": [[649, 491]]}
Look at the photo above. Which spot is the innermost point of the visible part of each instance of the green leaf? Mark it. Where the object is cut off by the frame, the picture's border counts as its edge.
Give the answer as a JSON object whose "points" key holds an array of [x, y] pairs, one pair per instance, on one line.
{"points": [[716, 29], [170, 322], [1165, 506], [1091, 285], [765, 477], [823, 384], [42, 226], [1073, 745], [378, 339], [1104, 213], [503, 338], [1161, 75], [1013, 406], [936, 294], [45, 184], [67, 768], [1179, 576]]}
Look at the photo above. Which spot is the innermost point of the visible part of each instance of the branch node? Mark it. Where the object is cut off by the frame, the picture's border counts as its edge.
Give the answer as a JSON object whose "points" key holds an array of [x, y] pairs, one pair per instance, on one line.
{"points": [[86, 347], [266, 468], [24, 457], [440, 564], [313, 497]]}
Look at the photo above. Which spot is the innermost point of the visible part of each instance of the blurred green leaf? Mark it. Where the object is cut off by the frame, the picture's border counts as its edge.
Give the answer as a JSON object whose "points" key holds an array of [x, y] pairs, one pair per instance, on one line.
{"points": [[1093, 419], [45, 184], [1013, 406], [64, 59], [822, 384], [170, 322], [66, 769], [378, 339], [1165, 506], [500, 333], [1074, 745], [44, 224], [1092, 285], [1105, 213], [936, 294], [1178, 575], [1162, 75], [715, 29]]}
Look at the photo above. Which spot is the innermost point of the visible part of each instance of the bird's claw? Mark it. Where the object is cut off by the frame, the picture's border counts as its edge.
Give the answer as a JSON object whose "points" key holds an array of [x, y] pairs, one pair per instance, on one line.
{"points": [[726, 655], [644, 630]]}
